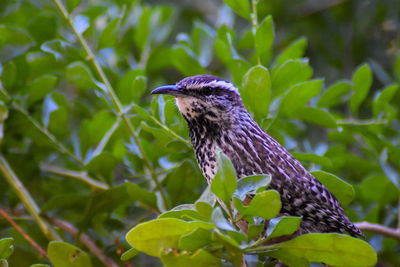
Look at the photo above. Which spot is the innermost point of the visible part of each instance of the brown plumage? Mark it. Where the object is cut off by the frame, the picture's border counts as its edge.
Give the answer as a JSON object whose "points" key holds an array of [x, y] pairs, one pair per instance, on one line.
{"points": [[216, 116]]}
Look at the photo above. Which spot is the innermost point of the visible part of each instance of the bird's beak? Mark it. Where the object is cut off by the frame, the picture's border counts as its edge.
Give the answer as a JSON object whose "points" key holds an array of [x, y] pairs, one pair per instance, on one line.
{"points": [[167, 90]]}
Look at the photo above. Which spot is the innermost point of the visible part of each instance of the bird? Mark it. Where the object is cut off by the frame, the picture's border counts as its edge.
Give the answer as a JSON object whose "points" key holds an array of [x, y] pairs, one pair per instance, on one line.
{"points": [[216, 117]]}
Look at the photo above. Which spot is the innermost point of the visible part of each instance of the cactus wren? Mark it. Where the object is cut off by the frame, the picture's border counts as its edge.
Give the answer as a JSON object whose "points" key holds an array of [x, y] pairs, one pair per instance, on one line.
{"points": [[216, 116]]}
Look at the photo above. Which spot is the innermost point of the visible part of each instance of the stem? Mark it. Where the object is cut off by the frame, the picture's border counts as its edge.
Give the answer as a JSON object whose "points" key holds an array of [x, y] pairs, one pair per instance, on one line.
{"points": [[35, 245], [121, 113], [254, 22], [379, 229], [26, 198], [77, 175]]}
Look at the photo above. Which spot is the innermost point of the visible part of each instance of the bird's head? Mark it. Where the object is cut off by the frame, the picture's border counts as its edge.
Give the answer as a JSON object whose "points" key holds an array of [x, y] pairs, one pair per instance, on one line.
{"points": [[204, 95]]}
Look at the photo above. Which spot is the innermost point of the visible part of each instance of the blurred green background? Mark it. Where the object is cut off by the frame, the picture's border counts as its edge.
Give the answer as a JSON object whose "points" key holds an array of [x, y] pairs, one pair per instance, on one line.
{"points": [[61, 126]]}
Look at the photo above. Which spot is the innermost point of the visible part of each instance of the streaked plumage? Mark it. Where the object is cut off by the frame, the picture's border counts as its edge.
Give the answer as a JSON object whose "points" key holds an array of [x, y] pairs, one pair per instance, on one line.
{"points": [[216, 116]]}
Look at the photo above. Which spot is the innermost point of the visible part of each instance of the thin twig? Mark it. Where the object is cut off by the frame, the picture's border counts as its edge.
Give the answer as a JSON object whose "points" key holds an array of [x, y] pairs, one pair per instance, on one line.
{"points": [[77, 175], [379, 229], [120, 251], [26, 198], [35, 245], [85, 239], [121, 113], [254, 22]]}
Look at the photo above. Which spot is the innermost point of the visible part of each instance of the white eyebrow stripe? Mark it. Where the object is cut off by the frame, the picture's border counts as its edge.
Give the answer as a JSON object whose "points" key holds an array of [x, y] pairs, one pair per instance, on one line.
{"points": [[213, 84]]}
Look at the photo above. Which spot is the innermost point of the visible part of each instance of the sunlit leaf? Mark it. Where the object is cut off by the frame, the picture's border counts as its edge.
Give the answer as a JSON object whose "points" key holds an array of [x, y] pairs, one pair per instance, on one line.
{"points": [[200, 258], [6, 247], [332, 249], [62, 254], [153, 236], [129, 254]]}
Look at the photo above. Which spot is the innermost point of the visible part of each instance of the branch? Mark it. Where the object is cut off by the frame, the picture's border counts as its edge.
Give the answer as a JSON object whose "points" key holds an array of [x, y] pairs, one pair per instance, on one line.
{"points": [[26, 198], [121, 112], [77, 175], [379, 229], [85, 239], [35, 245]]}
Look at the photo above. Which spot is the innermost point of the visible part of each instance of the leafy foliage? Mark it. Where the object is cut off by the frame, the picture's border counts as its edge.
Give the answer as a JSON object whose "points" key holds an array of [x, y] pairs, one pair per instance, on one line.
{"points": [[86, 150]]}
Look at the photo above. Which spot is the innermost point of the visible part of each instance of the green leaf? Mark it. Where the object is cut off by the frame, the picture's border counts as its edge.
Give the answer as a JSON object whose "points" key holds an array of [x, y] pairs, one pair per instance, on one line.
{"points": [[77, 73], [58, 48], [332, 249], [288, 74], [203, 41], [40, 88], [102, 166], [55, 112], [142, 31], [315, 116], [92, 131], [200, 258], [335, 95], [314, 158], [8, 75], [185, 61], [382, 100], [362, 81], [194, 240], [137, 193], [256, 91], [185, 212], [62, 254], [131, 86], [220, 221], [3, 117], [6, 247], [343, 191], [224, 182], [281, 226], [72, 4], [294, 51], [13, 42], [154, 236], [264, 39], [251, 185], [109, 36], [241, 7], [266, 205], [105, 202], [204, 205], [129, 254], [64, 201], [181, 183], [299, 95]]}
